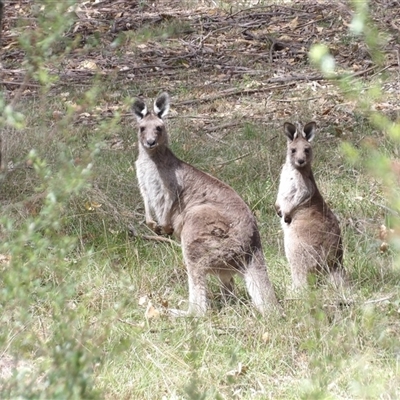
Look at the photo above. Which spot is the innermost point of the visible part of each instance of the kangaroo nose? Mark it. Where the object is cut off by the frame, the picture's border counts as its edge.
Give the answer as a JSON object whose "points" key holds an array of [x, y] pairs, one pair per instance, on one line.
{"points": [[151, 142], [301, 161]]}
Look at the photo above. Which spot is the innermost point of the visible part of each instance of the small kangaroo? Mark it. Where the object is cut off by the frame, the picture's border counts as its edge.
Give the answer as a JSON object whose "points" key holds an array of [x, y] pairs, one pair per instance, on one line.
{"points": [[216, 228], [312, 235]]}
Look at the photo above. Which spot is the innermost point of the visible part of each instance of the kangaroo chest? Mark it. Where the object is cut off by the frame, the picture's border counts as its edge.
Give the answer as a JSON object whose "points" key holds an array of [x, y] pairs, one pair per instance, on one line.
{"points": [[294, 189], [158, 185]]}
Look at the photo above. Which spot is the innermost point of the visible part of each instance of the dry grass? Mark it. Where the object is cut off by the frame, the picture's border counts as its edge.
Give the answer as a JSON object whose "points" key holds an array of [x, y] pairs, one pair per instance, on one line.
{"points": [[83, 301]]}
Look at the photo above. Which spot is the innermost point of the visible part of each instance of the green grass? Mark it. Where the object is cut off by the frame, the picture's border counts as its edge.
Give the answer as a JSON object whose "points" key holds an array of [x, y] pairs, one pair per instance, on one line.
{"points": [[86, 314], [83, 300]]}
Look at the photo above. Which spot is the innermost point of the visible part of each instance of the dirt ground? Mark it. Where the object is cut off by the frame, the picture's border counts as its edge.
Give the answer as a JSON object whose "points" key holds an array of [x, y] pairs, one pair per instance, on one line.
{"points": [[209, 57]]}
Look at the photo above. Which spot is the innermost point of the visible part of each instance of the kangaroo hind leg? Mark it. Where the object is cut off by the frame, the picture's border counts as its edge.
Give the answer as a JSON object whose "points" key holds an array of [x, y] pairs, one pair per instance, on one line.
{"points": [[258, 284], [227, 286]]}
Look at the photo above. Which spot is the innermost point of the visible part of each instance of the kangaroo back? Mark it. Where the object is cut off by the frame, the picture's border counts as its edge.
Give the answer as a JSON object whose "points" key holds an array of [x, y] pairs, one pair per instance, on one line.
{"points": [[216, 228]]}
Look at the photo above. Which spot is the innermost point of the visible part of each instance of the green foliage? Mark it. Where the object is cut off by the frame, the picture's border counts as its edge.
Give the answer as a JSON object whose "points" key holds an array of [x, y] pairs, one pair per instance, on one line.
{"points": [[47, 43], [36, 286], [82, 301], [369, 325]]}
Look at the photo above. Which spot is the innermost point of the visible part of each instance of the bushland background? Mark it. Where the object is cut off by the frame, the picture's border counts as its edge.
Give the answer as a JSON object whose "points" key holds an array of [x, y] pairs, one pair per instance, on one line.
{"points": [[84, 284]]}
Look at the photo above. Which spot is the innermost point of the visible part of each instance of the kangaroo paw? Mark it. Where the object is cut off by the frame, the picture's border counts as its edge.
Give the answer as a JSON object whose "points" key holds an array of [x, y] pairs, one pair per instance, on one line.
{"points": [[154, 227], [168, 229]]}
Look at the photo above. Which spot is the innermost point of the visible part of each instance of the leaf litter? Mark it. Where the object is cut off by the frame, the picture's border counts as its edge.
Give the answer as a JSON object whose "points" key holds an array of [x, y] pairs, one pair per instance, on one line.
{"points": [[223, 54]]}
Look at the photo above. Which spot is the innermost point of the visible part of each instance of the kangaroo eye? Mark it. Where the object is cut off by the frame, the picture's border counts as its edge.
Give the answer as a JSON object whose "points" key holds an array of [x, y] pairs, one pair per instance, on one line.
{"points": [[142, 129], [306, 151], [158, 129], [293, 151]]}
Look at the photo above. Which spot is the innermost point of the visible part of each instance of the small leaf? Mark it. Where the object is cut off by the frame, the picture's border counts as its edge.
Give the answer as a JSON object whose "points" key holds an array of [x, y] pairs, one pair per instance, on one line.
{"points": [[92, 205], [88, 64], [143, 300], [293, 23], [384, 247], [4, 259], [164, 303], [238, 371], [151, 312]]}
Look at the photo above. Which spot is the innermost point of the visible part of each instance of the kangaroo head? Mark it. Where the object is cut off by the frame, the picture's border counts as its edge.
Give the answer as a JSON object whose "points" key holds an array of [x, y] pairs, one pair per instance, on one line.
{"points": [[299, 150], [152, 131]]}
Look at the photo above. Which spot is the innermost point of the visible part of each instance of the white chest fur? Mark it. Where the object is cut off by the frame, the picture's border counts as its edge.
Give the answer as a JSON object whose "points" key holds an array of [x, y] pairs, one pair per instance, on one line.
{"points": [[153, 187], [294, 189]]}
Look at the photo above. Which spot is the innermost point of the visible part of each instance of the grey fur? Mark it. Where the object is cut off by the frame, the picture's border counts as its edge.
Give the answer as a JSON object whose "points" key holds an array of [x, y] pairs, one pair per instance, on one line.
{"points": [[217, 230], [312, 235]]}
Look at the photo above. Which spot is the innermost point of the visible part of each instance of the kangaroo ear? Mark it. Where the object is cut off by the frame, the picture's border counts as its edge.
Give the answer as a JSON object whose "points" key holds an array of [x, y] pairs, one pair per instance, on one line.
{"points": [[309, 131], [289, 131], [140, 109], [161, 105]]}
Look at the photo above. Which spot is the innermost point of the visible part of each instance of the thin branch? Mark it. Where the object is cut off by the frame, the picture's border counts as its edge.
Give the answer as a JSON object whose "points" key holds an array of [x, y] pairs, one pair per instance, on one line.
{"points": [[214, 138], [288, 80], [160, 239], [1, 21], [221, 127], [234, 159], [219, 165], [386, 208], [23, 83], [384, 69], [20, 90], [231, 92], [292, 100], [373, 301]]}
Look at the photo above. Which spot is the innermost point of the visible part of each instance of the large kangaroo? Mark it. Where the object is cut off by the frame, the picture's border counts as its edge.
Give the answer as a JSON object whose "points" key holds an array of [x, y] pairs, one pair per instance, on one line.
{"points": [[312, 235], [216, 228]]}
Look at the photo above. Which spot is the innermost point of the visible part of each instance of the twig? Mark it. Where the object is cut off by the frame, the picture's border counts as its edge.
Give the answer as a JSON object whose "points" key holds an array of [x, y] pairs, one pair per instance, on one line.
{"points": [[220, 127], [289, 299], [378, 300], [13, 336], [314, 21], [384, 69], [1, 21], [320, 77], [245, 10], [214, 138], [175, 116], [128, 323], [234, 159], [288, 80], [132, 232], [19, 84], [96, 192], [242, 156], [390, 210], [20, 90], [291, 100], [204, 38], [160, 239], [359, 73], [232, 92]]}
